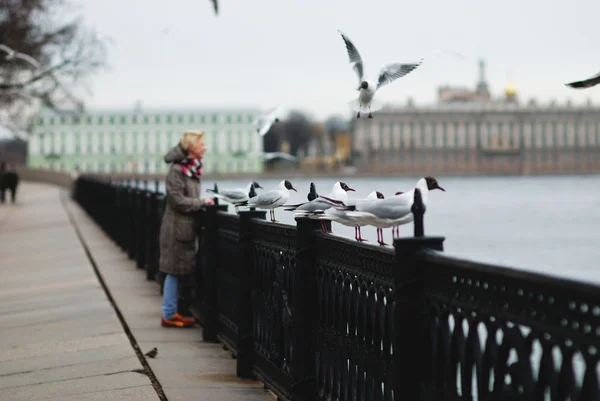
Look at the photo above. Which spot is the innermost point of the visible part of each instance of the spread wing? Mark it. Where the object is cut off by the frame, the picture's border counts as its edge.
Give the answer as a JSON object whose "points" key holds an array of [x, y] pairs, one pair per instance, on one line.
{"points": [[586, 83], [354, 57], [392, 72], [215, 6]]}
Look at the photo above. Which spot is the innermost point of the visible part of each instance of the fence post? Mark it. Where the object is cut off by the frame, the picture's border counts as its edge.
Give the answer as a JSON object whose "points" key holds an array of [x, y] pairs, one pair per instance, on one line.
{"points": [[418, 210], [244, 316], [210, 238], [151, 234], [415, 379], [140, 228], [132, 195], [304, 307]]}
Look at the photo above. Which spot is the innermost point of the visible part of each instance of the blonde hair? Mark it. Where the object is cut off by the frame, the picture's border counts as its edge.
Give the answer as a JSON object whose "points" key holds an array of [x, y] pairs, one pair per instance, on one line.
{"points": [[190, 138]]}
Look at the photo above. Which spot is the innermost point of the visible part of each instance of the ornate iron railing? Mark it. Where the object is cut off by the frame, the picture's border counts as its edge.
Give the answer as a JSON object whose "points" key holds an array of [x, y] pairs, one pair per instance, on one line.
{"points": [[317, 317]]}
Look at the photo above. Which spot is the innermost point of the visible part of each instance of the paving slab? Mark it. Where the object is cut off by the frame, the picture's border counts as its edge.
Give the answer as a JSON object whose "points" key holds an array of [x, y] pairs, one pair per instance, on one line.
{"points": [[60, 337], [186, 367]]}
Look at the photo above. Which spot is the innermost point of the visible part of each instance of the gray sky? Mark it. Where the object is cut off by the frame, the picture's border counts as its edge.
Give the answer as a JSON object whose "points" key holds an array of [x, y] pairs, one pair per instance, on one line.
{"points": [[261, 53]]}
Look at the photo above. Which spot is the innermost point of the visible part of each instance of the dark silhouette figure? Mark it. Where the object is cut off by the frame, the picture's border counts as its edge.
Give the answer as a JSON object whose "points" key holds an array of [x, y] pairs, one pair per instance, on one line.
{"points": [[8, 180]]}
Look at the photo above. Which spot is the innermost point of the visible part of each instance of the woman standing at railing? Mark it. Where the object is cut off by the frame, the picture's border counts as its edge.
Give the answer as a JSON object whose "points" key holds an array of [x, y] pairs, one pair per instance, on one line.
{"points": [[178, 241]]}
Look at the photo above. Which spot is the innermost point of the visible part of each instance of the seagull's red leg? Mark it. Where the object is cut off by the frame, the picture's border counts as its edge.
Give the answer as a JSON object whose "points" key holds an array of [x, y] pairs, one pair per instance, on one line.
{"points": [[358, 115], [324, 227], [370, 115], [360, 238], [382, 243]]}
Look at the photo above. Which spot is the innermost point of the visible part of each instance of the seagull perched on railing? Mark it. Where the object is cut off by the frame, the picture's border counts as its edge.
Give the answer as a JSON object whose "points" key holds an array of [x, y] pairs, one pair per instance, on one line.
{"points": [[264, 121], [235, 196], [337, 215], [272, 199], [13, 54], [388, 212], [586, 83], [319, 205], [367, 89]]}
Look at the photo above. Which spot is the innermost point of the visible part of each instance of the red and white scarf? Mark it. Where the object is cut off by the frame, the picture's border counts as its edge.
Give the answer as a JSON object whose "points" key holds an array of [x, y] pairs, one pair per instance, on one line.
{"points": [[191, 167]]}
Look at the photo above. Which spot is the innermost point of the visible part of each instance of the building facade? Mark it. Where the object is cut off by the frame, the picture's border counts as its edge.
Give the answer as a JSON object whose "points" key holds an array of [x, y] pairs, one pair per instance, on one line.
{"points": [[480, 139], [472, 133], [135, 141]]}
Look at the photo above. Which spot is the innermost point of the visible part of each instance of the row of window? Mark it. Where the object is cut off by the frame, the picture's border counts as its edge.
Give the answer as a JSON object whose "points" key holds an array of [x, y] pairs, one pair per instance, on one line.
{"points": [[150, 119], [452, 135], [134, 143], [440, 160]]}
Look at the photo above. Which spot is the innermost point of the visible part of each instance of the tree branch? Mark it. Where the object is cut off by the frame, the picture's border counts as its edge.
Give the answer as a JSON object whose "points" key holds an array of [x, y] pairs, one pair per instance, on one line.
{"points": [[36, 77]]}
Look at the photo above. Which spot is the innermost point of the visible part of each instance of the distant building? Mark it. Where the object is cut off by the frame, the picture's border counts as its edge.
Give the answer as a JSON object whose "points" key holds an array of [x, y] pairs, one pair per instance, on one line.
{"points": [[124, 141], [471, 132], [451, 94], [330, 148]]}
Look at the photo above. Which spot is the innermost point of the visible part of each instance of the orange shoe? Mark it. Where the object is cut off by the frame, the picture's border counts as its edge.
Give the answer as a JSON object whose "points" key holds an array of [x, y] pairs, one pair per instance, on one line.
{"points": [[173, 322], [185, 320]]}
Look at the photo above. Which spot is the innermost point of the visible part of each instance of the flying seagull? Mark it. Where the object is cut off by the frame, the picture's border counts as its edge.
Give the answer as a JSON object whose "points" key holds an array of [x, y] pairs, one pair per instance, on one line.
{"points": [[264, 122], [367, 89], [586, 83]]}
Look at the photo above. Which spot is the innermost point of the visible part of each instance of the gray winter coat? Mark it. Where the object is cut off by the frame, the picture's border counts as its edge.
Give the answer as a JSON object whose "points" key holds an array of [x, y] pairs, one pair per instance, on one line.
{"points": [[178, 241]]}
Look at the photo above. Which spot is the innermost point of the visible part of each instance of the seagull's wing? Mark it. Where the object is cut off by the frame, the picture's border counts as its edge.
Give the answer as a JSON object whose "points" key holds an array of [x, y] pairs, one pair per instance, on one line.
{"points": [[266, 198], [386, 208], [262, 130], [586, 83], [354, 57], [272, 112], [259, 120], [234, 194], [268, 117], [391, 72], [215, 6], [314, 206]]}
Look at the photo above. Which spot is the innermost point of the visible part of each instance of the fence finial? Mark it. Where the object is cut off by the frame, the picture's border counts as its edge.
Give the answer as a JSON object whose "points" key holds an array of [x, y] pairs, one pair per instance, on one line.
{"points": [[418, 210], [216, 190]]}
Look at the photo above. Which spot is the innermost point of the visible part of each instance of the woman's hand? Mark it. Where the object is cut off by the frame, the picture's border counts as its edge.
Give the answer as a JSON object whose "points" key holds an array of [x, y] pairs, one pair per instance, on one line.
{"points": [[208, 201]]}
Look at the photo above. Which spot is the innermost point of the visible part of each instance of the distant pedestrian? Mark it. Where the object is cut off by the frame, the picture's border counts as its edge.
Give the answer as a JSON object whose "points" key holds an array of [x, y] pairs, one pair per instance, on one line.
{"points": [[178, 240], [8, 180]]}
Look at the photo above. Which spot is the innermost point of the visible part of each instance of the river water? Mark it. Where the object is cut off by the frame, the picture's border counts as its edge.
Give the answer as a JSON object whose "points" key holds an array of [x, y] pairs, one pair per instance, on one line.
{"points": [[548, 224]]}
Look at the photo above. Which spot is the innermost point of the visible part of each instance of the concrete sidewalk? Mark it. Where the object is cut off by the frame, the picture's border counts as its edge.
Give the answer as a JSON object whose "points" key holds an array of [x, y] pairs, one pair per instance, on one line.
{"points": [[61, 337]]}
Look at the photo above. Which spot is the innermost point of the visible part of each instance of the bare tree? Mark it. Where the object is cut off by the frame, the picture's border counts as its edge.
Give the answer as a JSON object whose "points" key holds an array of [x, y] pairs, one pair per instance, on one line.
{"points": [[296, 129], [45, 58]]}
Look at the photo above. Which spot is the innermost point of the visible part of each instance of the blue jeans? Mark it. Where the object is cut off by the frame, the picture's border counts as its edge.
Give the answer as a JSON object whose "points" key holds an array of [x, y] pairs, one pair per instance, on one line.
{"points": [[170, 296]]}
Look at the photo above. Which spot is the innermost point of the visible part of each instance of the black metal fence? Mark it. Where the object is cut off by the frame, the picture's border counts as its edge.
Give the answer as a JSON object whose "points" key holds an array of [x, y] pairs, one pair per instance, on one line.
{"points": [[318, 317]]}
